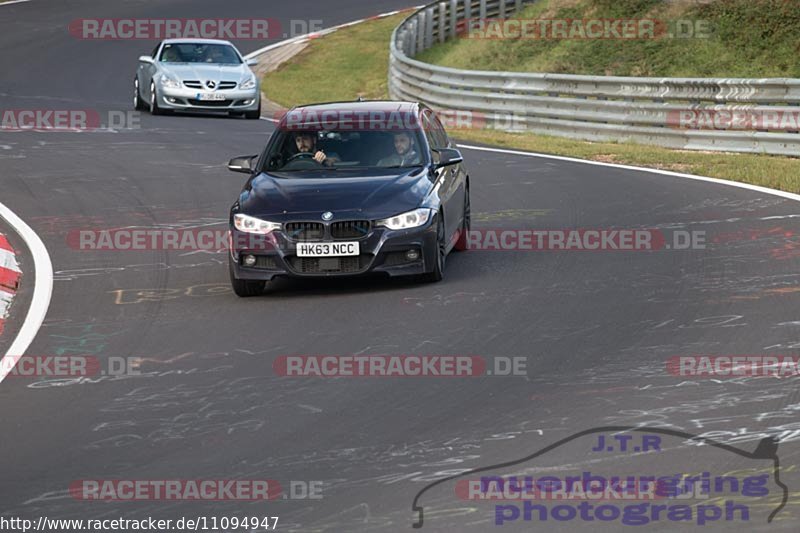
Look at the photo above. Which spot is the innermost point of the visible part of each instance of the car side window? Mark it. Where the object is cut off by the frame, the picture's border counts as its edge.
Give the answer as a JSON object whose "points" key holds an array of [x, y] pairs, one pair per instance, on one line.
{"points": [[438, 132], [434, 131], [428, 128], [155, 51]]}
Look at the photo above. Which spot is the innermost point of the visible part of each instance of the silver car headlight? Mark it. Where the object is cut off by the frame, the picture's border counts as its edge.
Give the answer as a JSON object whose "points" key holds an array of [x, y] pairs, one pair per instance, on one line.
{"points": [[170, 83], [411, 219], [249, 83], [248, 224]]}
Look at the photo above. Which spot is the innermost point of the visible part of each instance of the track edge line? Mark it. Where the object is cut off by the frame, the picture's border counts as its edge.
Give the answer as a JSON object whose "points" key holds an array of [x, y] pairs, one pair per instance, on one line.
{"points": [[42, 289], [718, 181]]}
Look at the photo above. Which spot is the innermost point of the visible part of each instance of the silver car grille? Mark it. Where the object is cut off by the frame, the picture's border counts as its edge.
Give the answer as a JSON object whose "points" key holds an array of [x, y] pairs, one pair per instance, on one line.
{"points": [[223, 85]]}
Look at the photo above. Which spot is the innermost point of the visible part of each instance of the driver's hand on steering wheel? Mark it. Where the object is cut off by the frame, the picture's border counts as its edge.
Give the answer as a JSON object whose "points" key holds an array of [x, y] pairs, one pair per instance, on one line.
{"points": [[320, 157]]}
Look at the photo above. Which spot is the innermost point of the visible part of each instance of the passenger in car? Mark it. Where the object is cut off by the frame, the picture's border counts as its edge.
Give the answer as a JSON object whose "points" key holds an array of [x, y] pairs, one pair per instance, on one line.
{"points": [[405, 154]]}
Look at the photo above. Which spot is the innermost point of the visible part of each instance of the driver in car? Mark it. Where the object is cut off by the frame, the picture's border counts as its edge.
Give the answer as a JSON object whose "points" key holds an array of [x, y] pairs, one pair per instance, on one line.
{"points": [[405, 152], [306, 142], [171, 55]]}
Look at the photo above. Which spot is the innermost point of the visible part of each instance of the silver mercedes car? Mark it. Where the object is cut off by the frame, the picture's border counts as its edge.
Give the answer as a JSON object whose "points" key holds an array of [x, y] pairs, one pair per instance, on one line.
{"points": [[197, 75]]}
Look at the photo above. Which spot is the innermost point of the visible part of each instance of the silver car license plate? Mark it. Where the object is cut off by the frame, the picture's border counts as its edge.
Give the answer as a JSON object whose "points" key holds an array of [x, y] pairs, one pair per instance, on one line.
{"points": [[210, 97]]}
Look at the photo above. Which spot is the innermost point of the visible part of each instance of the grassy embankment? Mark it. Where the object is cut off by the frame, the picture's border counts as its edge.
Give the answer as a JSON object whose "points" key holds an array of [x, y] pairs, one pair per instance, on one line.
{"points": [[749, 39]]}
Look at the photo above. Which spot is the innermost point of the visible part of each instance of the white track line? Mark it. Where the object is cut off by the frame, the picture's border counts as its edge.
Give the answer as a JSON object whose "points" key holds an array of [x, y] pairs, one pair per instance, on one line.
{"points": [[42, 290], [8, 4], [718, 181]]}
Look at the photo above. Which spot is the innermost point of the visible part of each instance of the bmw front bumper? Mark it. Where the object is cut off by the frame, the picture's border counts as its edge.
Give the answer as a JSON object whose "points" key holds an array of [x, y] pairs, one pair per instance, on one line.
{"points": [[381, 251]]}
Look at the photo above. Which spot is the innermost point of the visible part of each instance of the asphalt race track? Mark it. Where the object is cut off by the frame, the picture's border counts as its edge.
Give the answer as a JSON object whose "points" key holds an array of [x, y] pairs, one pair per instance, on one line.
{"points": [[596, 327]]}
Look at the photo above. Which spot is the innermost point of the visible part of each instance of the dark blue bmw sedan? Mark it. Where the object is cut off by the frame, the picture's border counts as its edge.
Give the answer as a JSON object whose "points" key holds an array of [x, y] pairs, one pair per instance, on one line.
{"points": [[349, 188]]}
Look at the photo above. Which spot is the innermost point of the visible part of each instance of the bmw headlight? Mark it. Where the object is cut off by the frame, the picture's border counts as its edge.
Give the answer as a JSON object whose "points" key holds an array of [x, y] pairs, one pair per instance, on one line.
{"points": [[249, 83], [249, 224], [170, 83], [411, 219]]}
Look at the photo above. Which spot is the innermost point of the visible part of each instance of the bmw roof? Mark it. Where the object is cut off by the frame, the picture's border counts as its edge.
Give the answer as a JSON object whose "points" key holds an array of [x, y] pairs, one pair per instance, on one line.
{"points": [[386, 106], [313, 115]]}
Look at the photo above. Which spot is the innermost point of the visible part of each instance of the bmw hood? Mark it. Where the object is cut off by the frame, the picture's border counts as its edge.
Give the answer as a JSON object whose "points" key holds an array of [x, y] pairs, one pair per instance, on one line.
{"points": [[346, 194]]}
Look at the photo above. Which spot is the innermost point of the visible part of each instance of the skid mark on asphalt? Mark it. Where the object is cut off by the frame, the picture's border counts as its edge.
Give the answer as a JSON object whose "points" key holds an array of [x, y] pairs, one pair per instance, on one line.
{"points": [[465, 297], [136, 296], [80, 273], [686, 223], [87, 341], [510, 214], [186, 411], [731, 204]]}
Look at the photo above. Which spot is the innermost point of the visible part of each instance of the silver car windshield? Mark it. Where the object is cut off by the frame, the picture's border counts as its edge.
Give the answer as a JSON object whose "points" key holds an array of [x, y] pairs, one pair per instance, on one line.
{"points": [[199, 53]]}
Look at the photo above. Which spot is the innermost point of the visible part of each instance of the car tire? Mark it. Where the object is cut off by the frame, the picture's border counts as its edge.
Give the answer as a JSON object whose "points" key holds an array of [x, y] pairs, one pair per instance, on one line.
{"points": [[254, 115], [154, 109], [242, 287], [437, 273], [138, 103], [466, 225]]}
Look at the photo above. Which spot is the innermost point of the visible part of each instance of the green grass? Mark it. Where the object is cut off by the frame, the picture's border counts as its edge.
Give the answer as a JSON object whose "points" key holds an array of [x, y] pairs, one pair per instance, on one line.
{"points": [[747, 38], [339, 66], [354, 61]]}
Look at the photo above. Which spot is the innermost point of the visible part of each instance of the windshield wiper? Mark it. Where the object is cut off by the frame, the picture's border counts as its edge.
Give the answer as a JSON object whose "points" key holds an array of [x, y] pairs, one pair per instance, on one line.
{"points": [[304, 169]]}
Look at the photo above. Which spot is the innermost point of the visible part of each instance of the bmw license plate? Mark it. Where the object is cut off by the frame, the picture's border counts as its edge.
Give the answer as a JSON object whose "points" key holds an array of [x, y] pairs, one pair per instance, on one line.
{"points": [[213, 97], [327, 249]]}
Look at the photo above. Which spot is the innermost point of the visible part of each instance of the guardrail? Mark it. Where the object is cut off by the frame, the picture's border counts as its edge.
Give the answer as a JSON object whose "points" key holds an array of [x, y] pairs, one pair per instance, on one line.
{"points": [[747, 115]]}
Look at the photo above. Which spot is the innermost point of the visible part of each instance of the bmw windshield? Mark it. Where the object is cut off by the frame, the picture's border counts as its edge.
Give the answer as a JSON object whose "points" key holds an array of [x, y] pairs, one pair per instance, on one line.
{"points": [[339, 149]]}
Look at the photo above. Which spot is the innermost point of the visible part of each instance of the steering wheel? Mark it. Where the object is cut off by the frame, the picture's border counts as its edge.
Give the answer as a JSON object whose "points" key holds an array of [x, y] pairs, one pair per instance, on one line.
{"points": [[299, 155]]}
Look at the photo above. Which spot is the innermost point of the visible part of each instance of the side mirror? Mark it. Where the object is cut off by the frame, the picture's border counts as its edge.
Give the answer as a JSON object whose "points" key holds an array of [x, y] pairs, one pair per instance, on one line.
{"points": [[445, 157], [145, 59], [252, 62], [242, 164]]}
